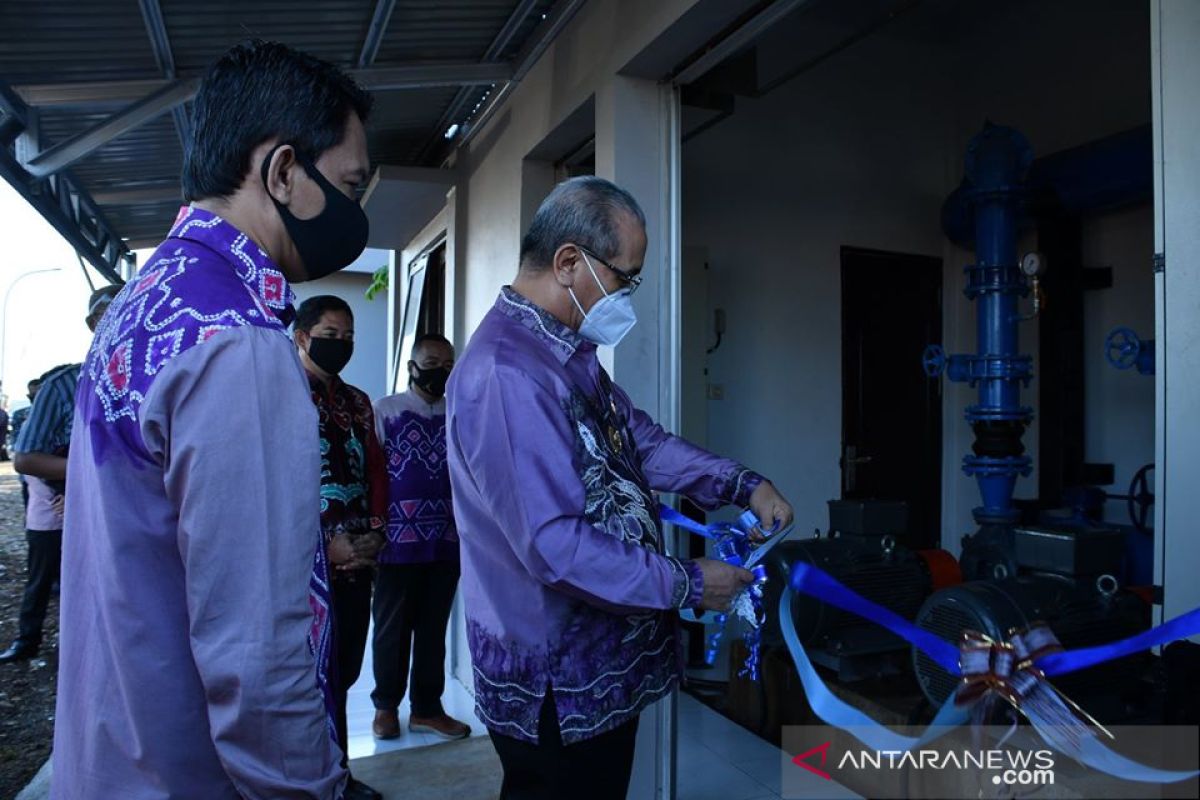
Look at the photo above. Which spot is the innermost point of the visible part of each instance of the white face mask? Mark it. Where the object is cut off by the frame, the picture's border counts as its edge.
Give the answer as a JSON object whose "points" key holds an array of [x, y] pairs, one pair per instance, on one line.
{"points": [[610, 318]]}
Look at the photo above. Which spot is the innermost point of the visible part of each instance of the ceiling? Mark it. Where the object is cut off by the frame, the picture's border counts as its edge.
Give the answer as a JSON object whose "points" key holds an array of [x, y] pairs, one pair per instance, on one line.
{"points": [[94, 97]]}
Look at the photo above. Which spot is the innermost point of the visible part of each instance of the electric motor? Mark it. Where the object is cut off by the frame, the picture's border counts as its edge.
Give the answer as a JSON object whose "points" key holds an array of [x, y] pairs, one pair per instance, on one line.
{"points": [[1079, 614]]}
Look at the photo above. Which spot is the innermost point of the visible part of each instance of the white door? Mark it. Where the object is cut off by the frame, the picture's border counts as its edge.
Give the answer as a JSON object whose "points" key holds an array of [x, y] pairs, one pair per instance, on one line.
{"points": [[1175, 32]]}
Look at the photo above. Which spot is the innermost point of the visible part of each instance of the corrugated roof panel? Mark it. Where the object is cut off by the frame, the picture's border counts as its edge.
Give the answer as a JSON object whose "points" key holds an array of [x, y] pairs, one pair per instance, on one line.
{"points": [[67, 41], [540, 10], [64, 41], [425, 30], [144, 221], [200, 32]]}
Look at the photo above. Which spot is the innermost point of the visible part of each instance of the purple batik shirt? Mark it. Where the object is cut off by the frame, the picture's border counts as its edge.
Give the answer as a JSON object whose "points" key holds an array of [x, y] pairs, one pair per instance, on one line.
{"points": [[564, 579], [185, 668], [420, 527]]}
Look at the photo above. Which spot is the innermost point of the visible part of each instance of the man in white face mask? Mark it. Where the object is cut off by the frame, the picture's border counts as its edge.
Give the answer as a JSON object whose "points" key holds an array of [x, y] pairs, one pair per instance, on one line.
{"points": [[571, 603]]}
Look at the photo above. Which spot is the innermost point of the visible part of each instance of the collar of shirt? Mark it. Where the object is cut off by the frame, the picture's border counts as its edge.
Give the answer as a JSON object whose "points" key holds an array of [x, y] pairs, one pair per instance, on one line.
{"points": [[319, 386], [562, 340], [253, 266], [412, 401]]}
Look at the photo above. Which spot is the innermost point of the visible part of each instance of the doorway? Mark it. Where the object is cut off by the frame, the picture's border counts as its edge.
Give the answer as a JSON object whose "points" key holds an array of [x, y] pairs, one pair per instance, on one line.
{"points": [[892, 412]]}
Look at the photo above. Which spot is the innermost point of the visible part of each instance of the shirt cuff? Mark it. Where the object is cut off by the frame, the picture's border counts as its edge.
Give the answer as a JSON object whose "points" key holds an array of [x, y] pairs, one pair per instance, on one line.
{"points": [[689, 584], [740, 484]]}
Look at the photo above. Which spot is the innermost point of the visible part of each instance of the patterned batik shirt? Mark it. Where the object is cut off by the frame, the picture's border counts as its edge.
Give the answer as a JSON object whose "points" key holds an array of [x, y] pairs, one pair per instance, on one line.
{"points": [[353, 481], [420, 526], [564, 579], [192, 598]]}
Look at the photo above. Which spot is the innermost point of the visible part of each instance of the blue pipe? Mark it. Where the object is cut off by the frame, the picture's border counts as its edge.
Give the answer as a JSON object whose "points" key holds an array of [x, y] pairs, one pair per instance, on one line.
{"points": [[993, 195], [1099, 176]]}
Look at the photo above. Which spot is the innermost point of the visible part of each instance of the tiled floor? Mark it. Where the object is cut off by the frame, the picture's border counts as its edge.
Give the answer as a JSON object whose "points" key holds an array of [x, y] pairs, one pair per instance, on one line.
{"points": [[360, 712], [718, 759]]}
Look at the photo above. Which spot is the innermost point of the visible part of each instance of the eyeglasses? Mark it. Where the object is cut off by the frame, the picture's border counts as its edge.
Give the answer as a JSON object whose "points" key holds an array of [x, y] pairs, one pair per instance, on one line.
{"points": [[630, 282]]}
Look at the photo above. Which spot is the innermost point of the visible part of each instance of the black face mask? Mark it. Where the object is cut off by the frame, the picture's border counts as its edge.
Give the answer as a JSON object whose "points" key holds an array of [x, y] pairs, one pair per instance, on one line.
{"points": [[432, 380], [331, 355], [332, 239]]}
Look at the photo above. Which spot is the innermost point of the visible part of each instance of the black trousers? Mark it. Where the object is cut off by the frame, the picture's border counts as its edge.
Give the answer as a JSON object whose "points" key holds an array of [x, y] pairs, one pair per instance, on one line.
{"points": [[44, 561], [351, 620], [412, 609], [594, 769]]}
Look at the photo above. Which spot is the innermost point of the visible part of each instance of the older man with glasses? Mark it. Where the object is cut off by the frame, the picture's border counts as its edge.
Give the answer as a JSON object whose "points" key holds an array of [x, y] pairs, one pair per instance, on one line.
{"points": [[570, 600]]}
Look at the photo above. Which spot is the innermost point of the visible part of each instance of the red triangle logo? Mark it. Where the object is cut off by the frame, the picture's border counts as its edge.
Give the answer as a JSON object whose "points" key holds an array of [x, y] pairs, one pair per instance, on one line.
{"points": [[823, 749]]}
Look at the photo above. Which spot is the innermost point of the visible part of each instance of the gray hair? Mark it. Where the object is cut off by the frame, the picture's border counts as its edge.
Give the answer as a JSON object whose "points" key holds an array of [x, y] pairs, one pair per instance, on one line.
{"points": [[580, 211]]}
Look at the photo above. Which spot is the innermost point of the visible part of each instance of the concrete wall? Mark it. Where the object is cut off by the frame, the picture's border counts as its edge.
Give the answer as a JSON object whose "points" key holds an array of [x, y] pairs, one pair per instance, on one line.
{"points": [[861, 151], [1120, 413], [603, 37]]}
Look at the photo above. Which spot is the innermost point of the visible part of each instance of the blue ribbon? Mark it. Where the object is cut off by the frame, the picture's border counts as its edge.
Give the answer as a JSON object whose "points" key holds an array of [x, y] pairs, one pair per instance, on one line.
{"points": [[1082, 745], [733, 546]]}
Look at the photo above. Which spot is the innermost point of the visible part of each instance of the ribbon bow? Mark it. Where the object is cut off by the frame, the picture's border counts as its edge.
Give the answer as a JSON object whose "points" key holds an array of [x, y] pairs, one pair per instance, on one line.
{"points": [[1015, 670], [732, 544], [1007, 670]]}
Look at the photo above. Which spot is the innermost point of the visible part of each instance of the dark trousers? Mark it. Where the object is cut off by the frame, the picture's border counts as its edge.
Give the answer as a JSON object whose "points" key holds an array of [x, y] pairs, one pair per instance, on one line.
{"points": [[594, 769], [412, 609], [351, 620], [45, 560]]}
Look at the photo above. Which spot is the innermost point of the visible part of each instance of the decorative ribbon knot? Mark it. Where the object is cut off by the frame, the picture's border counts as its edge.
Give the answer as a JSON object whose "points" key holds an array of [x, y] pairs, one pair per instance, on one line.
{"points": [[1006, 668]]}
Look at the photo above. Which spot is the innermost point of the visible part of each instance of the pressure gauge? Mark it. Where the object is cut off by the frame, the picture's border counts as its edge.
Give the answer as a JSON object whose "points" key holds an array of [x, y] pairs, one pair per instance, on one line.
{"points": [[1033, 264]]}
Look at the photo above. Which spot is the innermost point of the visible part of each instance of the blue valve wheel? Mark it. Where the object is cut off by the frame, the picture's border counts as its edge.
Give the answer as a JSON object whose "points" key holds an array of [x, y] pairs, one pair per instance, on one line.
{"points": [[933, 360], [1121, 348]]}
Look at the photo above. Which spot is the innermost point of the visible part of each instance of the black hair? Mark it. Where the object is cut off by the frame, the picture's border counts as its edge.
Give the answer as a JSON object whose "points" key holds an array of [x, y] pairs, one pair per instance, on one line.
{"points": [[429, 337], [260, 91], [34, 382], [312, 309], [581, 211]]}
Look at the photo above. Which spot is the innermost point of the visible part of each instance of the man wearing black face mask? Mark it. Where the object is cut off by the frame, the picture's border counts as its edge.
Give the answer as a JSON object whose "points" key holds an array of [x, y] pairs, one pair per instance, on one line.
{"points": [[195, 442], [418, 569], [353, 486]]}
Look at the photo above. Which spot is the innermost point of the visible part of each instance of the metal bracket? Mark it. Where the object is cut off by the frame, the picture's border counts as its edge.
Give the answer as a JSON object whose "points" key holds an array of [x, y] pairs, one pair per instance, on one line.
{"points": [[1160, 262]]}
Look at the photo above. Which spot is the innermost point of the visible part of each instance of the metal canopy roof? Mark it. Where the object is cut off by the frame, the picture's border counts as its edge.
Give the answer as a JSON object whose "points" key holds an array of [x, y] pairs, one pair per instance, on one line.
{"points": [[94, 97]]}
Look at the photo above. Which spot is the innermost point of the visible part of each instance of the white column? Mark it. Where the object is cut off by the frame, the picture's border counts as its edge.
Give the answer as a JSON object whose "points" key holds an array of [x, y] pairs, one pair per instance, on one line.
{"points": [[1176, 74], [637, 147]]}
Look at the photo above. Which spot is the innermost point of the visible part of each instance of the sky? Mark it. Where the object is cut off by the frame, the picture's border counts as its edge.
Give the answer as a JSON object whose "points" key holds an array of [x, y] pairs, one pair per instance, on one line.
{"points": [[41, 313]]}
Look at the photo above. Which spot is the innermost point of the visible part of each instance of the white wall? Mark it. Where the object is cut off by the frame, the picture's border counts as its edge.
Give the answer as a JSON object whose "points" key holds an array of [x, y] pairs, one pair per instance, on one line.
{"points": [[366, 369], [1120, 410], [861, 151], [603, 37]]}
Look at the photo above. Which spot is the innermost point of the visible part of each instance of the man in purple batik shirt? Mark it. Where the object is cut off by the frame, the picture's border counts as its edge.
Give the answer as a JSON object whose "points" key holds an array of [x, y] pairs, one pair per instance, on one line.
{"points": [[571, 604], [418, 569], [192, 579]]}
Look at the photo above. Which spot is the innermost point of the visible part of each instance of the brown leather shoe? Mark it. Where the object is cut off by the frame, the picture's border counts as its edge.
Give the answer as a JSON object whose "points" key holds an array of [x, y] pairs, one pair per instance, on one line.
{"points": [[386, 725], [442, 725]]}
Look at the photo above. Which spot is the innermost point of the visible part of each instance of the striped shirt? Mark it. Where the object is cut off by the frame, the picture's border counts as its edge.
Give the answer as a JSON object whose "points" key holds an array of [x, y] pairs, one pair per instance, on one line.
{"points": [[48, 427]]}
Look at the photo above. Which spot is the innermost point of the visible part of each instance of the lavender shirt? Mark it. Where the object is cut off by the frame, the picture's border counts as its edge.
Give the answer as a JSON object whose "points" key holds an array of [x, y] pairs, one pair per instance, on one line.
{"points": [[420, 526], [563, 577], [185, 667]]}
